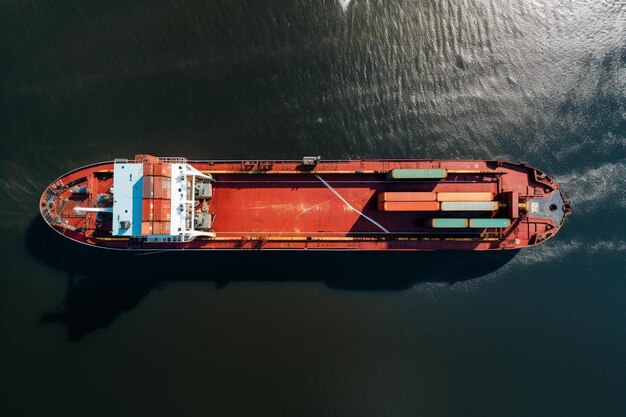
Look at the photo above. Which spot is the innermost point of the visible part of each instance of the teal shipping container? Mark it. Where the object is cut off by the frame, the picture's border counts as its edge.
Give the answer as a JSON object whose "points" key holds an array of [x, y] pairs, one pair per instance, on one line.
{"points": [[447, 223], [416, 174], [486, 223]]}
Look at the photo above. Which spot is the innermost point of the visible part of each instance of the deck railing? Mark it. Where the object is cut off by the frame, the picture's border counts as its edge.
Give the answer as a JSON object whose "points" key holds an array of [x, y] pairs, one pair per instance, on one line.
{"points": [[173, 160]]}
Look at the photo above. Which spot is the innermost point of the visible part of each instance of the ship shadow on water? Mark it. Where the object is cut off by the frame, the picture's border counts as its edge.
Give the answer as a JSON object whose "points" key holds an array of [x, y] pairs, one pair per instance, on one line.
{"points": [[102, 284]]}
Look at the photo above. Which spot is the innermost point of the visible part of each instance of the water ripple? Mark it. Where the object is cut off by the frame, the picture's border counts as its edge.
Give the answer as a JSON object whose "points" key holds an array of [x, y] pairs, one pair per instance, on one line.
{"points": [[596, 188]]}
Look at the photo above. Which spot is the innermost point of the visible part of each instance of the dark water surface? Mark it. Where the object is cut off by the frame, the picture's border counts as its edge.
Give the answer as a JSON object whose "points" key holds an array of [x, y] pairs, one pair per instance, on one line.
{"points": [[89, 333]]}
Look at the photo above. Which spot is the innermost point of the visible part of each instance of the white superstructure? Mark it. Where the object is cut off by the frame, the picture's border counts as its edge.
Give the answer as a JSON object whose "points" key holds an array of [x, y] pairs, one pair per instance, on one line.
{"points": [[128, 192]]}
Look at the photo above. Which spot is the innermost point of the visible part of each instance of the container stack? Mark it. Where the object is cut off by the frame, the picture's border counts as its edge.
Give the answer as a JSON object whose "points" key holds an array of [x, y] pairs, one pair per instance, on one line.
{"points": [[446, 202], [156, 203], [436, 201]]}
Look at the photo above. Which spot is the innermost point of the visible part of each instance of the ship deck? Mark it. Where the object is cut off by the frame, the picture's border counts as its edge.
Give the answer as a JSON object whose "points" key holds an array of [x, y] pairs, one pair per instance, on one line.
{"points": [[304, 205]]}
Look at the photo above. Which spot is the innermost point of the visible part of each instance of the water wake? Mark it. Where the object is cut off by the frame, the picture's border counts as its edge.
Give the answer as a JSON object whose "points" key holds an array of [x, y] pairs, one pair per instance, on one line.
{"points": [[596, 188], [344, 4], [546, 253]]}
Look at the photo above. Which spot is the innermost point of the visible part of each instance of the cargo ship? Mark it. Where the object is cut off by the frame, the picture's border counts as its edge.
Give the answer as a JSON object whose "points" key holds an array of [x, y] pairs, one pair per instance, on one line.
{"points": [[154, 203]]}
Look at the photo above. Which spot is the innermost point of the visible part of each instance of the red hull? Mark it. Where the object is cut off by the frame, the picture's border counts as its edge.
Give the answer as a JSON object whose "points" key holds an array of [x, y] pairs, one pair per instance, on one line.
{"points": [[331, 205]]}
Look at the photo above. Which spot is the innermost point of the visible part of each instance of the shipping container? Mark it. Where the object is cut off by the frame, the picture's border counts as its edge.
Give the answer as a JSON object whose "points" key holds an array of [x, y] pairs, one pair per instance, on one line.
{"points": [[146, 228], [147, 210], [148, 187], [415, 174], [408, 206], [158, 187], [167, 210], [446, 223], [166, 188], [162, 187], [469, 206], [464, 196], [161, 228], [162, 169], [148, 169], [407, 196], [486, 223], [157, 210], [162, 210]]}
